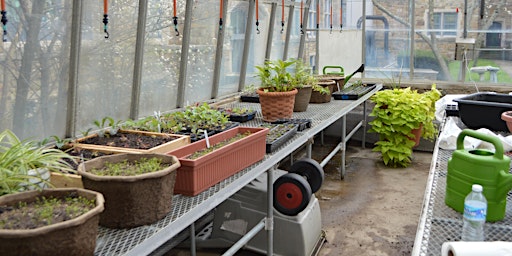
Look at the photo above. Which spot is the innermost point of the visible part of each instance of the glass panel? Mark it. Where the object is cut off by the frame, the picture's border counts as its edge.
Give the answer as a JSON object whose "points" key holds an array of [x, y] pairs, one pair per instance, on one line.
{"points": [[236, 23], [34, 63], [162, 52], [203, 43], [258, 44], [106, 65], [279, 35], [450, 23], [293, 45]]}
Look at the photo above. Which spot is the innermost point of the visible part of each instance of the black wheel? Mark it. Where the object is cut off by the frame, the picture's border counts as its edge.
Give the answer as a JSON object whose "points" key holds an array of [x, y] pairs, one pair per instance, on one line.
{"points": [[311, 170], [291, 194]]}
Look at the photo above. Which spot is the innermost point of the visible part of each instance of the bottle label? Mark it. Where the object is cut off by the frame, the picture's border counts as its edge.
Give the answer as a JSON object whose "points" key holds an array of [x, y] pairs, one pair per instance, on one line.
{"points": [[472, 212]]}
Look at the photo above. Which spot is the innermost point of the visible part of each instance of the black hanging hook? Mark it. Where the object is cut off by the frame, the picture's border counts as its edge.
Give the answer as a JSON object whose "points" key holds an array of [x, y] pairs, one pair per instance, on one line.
{"points": [[175, 21], [341, 27], [105, 26], [282, 27], [257, 27], [301, 30], [220, 24], [4, 25]]}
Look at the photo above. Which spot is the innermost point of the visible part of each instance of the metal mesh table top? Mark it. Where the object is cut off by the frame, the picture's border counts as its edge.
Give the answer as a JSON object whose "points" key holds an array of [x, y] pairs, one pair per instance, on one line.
{"points": [[440, 223], [185, 210]]}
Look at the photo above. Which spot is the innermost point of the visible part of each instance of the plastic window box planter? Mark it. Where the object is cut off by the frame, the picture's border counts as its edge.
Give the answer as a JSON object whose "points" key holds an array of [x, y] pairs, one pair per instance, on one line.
{"points": [[196, 175]]}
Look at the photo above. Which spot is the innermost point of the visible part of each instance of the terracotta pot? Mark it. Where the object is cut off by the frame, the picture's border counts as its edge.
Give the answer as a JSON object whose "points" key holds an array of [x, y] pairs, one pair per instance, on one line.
{"points": [[317, 97], [417, 135], [132, 201], [302, 99], [276, 105], [507, 117], [72, 237]]}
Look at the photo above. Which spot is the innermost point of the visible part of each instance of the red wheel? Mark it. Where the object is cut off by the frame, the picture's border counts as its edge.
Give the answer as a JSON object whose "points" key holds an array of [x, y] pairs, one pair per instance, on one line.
{"points": [[311, 170], [291, 194]]}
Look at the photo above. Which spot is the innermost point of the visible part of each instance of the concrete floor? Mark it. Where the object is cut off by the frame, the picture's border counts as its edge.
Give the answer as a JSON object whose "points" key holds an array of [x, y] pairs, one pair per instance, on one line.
{"points": [[373, 211]]}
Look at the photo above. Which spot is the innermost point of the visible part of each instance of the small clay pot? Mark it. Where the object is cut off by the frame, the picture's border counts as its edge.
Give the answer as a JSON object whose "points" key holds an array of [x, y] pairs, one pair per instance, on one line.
{"points": [[507, 117]]}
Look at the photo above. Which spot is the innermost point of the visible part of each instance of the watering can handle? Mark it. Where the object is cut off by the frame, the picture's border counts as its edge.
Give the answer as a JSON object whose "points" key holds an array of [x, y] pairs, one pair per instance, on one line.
{"points": [[481, 136], [333, 67]]}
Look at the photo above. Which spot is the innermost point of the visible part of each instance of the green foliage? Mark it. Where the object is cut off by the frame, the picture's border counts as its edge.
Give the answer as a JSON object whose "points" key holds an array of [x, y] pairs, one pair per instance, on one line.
{"points": [[107, 122], [397, 112], [274, 75], [454, 67], [18, 157], [126, 168]]}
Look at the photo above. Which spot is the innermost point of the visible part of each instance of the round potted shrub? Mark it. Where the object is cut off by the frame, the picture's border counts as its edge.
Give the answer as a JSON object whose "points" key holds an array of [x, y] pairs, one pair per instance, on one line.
{"points": [[399, 113]]}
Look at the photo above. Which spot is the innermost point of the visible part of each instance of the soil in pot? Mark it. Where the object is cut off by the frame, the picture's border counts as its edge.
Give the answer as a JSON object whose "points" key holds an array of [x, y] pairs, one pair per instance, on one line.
{"points": [[129, 140], [44, 211]]}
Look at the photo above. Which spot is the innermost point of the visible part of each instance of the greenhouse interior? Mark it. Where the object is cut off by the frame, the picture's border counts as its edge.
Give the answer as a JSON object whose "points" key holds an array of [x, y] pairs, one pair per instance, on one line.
{"points": [[255, 127]]}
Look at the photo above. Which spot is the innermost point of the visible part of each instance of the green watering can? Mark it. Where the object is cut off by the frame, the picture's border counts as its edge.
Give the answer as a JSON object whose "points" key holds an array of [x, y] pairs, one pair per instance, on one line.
{"points": [[479, 166]]}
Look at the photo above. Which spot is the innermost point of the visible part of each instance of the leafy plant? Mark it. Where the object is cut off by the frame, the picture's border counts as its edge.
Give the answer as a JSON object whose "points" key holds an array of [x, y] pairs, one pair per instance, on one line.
{"points": [[397, 113], [18, 157], [223, 143], [107, 122], [274, 76]]}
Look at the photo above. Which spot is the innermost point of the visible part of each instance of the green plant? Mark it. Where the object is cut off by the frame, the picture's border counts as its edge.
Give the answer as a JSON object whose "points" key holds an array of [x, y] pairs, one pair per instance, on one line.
{"points": [[274, 75], [397, 113], [107, 122], [18, 157], [126, 168]]}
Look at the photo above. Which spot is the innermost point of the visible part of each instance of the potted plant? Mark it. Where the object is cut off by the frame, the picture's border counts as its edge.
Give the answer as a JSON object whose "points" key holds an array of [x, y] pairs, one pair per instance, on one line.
{"points": [[507, 117], [399, 112], [138, 188], [322, 91], [304, 81], [25, 165], [215, 164], [50, 222], [276, 91]]}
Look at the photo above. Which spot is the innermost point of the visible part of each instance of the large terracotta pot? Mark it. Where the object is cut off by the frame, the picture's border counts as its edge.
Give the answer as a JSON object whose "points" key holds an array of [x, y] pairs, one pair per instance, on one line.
{"points": [[276, 105]]}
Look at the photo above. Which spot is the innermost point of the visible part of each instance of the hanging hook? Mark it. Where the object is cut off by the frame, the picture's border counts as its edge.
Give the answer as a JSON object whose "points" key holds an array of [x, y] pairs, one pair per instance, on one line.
{"points": [[341, 27], [301, 30], [4, 25], [257, 27], [175, 21], [105, 18], [282, 26], [330, 32], [105, 27]]}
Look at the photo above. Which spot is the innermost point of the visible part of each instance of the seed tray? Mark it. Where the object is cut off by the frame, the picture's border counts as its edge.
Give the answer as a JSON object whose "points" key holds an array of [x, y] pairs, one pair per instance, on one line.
{"points": [[281, 132], [302, 124], [352, 92]]}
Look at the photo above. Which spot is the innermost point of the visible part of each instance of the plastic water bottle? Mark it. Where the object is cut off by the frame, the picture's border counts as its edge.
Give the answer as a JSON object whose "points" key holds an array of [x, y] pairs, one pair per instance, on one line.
{"points": [[475, 211]]}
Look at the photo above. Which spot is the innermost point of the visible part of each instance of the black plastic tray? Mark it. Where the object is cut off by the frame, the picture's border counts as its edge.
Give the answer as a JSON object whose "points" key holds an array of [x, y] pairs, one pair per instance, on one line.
{"points": [[483, 110], [352, 92], [254, 98], [302, 124], [271, 146], [242, 118]]}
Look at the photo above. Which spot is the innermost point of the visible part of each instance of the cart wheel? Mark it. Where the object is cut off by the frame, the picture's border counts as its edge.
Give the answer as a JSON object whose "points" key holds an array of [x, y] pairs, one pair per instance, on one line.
{"points": [[311, 170], [291, 194]]}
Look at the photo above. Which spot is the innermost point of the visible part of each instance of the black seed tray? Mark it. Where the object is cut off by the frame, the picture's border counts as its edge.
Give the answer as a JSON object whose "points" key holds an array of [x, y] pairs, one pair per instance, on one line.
{"points": [[242, 118], [271, 146], [352, 92], [452, 110], [302, 124], [254, 98]]}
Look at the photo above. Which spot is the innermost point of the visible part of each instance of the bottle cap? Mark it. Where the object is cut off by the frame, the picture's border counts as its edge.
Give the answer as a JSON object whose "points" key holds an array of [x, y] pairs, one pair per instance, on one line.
{"points": [[477, 188]]}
